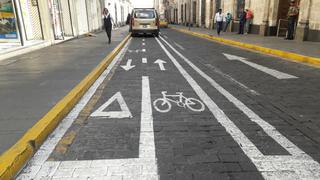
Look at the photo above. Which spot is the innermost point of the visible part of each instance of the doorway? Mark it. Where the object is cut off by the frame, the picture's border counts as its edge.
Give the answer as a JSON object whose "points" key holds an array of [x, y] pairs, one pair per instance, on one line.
{"points": [[194, 12], [203, 12], [282, 22]]}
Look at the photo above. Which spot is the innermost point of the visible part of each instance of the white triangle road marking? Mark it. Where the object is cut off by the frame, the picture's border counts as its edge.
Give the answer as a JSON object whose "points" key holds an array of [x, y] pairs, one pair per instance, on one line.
{"points": [[124, 113]]}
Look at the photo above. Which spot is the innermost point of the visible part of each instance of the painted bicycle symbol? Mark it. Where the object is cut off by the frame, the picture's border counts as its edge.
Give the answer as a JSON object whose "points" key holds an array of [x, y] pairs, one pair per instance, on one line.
{"points": [[163, 104]]}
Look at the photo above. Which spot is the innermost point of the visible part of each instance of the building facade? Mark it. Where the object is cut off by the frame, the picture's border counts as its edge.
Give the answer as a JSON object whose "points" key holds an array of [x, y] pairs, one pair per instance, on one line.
{"points": [[270, 16]]}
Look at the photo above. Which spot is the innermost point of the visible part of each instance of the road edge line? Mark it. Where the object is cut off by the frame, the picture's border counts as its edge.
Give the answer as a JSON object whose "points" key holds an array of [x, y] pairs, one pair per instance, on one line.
{"points": [[268, 51], [12, 160]]}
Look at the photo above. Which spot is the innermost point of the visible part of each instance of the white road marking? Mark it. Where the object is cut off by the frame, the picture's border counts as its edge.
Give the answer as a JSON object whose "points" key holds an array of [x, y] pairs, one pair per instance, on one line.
{"points": [[124, 113], [179, 46], [144, 167], [165, 36], [143, 50], [298, 165], [143, 40], [128, 66], [143, 44], [144, 60], [247, 89], [272, 72], [163, 104], [161, 64]]}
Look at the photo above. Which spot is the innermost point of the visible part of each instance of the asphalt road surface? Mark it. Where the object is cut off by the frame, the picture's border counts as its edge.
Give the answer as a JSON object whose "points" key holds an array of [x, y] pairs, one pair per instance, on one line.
{"points": [[181, 107]]}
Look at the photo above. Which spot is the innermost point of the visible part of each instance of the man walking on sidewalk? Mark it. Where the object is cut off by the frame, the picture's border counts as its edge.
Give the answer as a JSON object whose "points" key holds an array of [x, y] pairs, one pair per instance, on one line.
{"points": [[219, 20], [292, 19]]}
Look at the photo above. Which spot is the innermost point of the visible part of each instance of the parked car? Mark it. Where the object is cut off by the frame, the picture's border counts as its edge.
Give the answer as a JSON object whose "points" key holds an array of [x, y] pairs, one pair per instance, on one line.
{"points": [[144, 21], [163, 23]]}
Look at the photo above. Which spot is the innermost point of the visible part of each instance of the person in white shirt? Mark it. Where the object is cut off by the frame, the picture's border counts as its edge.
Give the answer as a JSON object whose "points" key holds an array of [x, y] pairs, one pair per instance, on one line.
{"points": [[219, 18]]}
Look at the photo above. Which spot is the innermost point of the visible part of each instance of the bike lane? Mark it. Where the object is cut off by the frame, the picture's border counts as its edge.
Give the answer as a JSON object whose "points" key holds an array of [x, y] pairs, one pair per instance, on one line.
{"points": [[122, 133]]}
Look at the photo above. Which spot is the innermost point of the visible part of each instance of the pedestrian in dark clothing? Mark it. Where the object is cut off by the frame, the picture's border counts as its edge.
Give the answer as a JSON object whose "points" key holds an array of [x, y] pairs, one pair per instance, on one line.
{"points": [[128, 19], [292, 19], [107, 21], [242, 21], [219, 20]]}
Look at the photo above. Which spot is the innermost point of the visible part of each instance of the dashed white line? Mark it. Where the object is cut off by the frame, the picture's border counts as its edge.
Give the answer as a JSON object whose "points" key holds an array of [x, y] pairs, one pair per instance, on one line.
{"points": [[144, 60], [247, 89], [143, 50], [143, 44], [297, 165], [179, 46]]}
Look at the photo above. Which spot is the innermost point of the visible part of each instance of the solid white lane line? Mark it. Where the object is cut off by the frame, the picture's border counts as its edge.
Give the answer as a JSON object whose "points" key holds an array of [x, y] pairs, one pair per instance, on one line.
{"points": [[265, 164], [144, 167], [272, 72], [147, 144], [144, 60], [179, 46]]}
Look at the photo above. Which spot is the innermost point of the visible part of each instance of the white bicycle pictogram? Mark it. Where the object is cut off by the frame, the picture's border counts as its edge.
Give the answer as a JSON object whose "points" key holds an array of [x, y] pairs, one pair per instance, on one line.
{"points": [[164, 104]]}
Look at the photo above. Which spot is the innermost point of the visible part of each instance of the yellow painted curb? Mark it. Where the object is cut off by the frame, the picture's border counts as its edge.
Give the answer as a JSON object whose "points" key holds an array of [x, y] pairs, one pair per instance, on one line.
{"points": [[279, 53], [14, 159]]}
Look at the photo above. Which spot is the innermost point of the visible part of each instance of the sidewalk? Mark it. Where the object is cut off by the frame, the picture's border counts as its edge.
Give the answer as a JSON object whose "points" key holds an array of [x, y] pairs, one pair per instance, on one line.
{"points": [[304, 48], [31, 84]]}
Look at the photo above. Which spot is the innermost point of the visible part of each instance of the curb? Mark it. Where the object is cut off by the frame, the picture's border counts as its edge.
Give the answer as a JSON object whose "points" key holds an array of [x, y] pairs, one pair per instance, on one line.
{"points": [[269, 51], [14, 159]]}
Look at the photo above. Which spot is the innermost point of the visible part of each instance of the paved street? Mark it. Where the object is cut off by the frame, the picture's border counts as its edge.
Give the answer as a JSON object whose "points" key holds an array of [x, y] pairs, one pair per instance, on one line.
{"points": [[182, 107]]}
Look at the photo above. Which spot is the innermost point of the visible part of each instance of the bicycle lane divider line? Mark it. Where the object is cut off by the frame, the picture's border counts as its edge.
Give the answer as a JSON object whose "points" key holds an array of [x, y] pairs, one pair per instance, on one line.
{"points": [[39, 159], [14, 159], [299, 164]]}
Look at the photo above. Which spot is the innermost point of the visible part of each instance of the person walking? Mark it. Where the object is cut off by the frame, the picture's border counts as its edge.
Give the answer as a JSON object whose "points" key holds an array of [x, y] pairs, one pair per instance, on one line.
{"points": [[128, 19], [293, 13], [228, 19], [249, 19], [107, 22], [242, 21], [219, 20]]}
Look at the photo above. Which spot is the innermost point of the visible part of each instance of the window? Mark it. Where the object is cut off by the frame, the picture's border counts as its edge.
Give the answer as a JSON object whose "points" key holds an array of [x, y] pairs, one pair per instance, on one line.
{"points": [[144, 14]]}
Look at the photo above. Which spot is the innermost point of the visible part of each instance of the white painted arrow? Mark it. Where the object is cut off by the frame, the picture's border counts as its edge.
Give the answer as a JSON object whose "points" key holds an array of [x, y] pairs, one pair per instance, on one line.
{"points": [[272, 72], [160, 62], [128, 66]]}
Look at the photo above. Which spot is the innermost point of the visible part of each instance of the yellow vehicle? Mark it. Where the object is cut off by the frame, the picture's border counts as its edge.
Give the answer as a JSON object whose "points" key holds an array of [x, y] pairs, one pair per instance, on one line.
{"points": [[163, 23], [144, 21]]}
